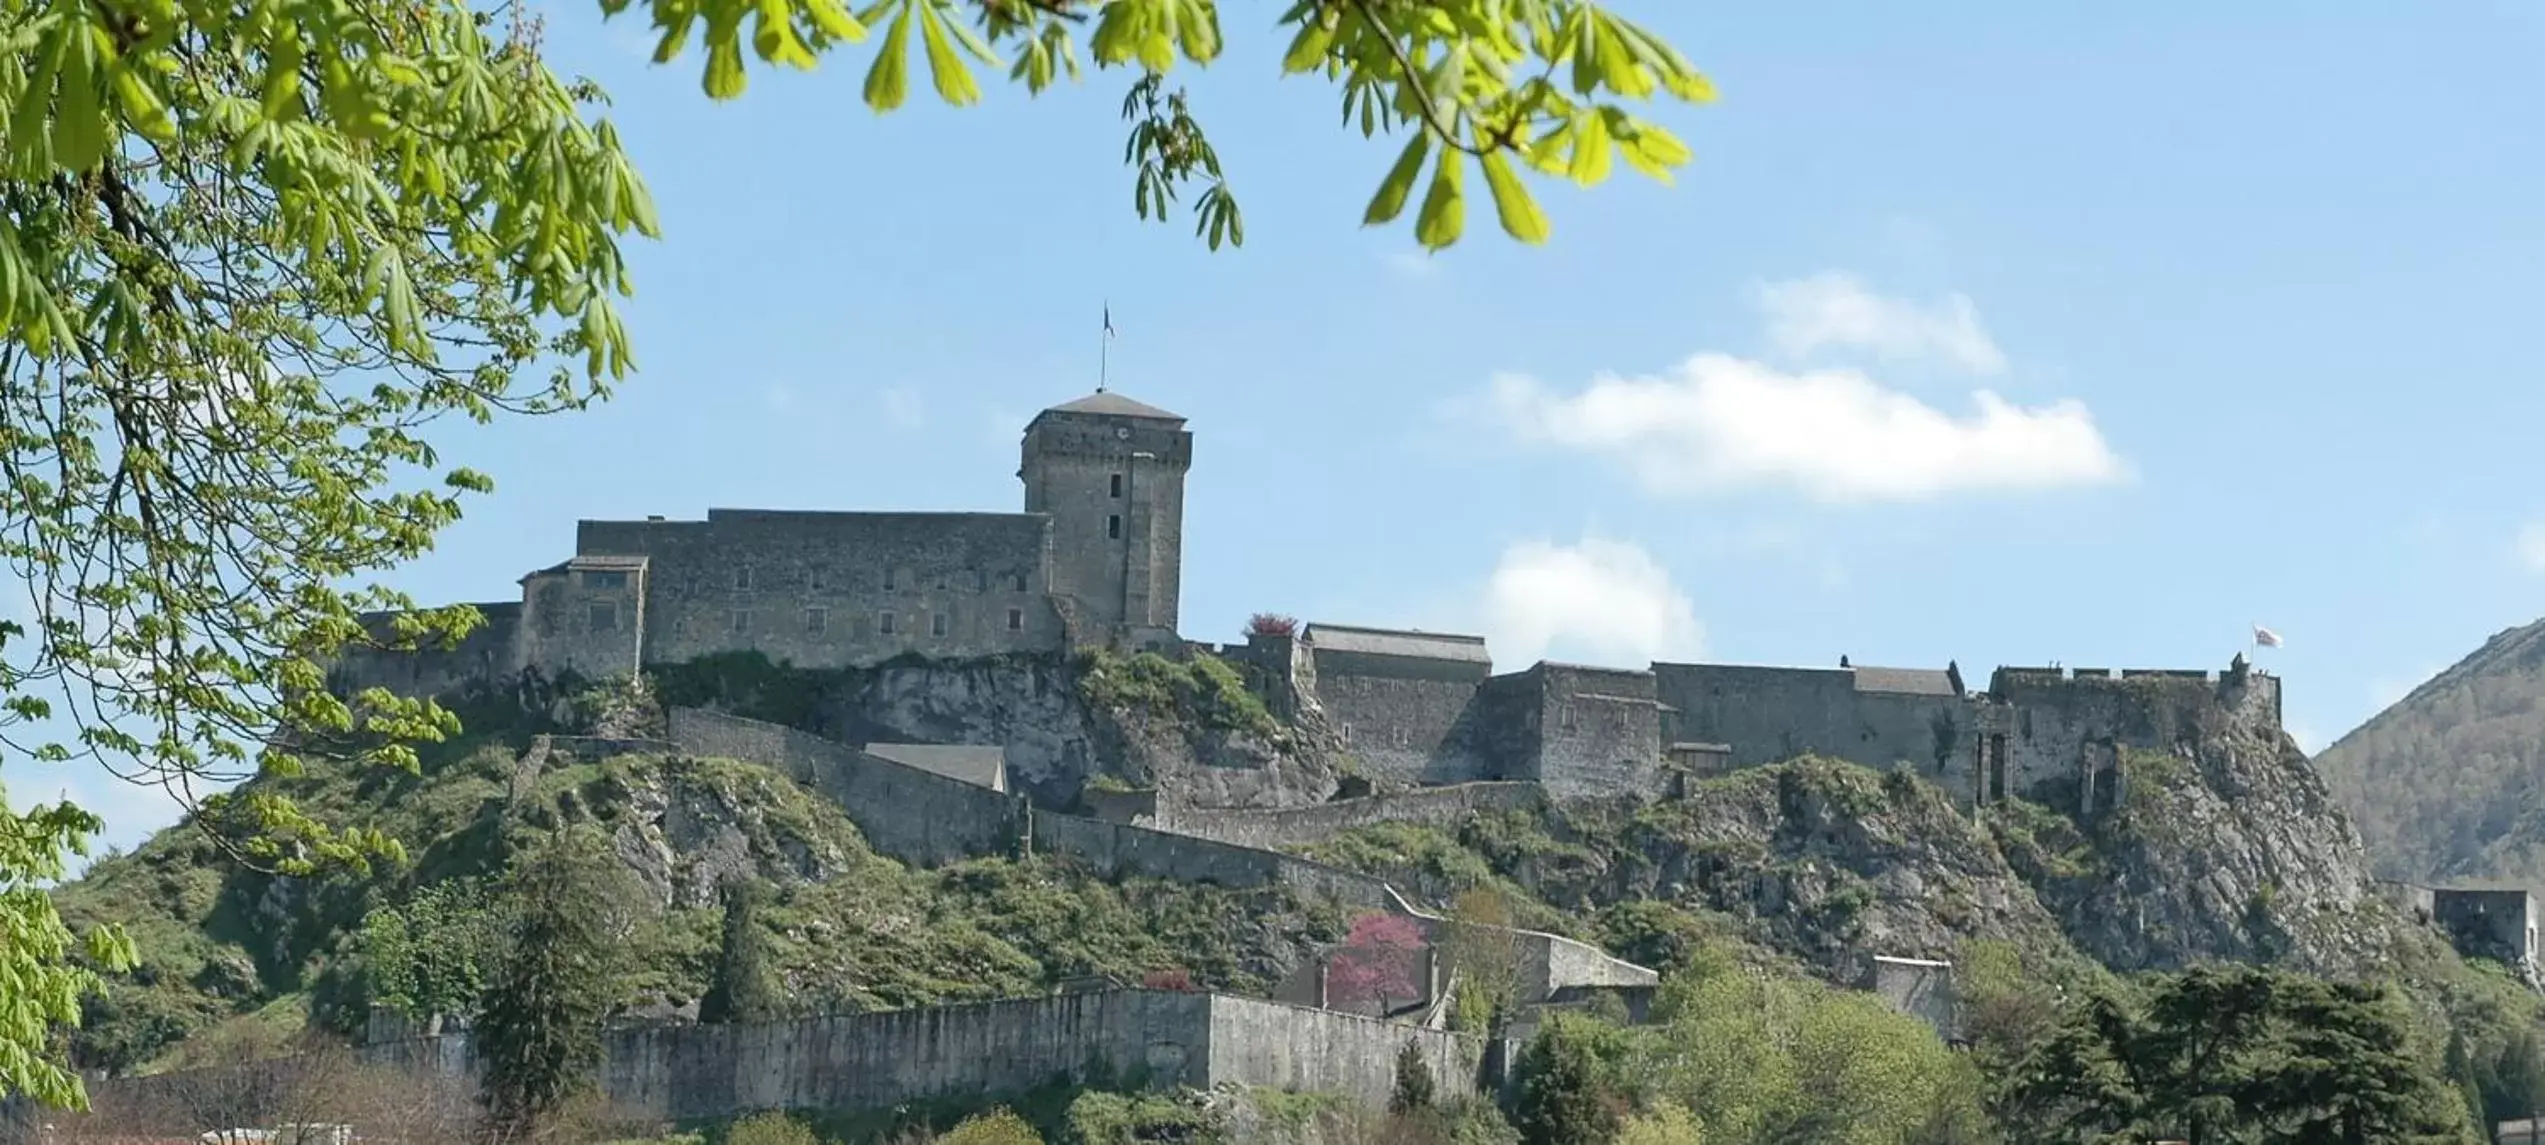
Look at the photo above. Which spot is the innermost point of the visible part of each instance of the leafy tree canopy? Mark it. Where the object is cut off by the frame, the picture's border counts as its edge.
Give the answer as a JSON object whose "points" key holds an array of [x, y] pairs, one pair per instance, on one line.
{"points": [[2235, 1054], [251, 250]]}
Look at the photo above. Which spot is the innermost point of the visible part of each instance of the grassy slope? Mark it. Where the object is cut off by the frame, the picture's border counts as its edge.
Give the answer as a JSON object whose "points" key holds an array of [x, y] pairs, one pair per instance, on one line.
{"points": [[226, 946]]}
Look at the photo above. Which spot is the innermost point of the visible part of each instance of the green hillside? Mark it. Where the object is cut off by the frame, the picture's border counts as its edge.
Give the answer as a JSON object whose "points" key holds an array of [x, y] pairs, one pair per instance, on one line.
{"points": [[2450, 781], [222, 945]]}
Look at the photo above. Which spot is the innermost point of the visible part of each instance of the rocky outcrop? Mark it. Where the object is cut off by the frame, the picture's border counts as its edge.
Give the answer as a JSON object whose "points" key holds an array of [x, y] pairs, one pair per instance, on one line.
{"points": [[2228, 847], [1187, 727]]}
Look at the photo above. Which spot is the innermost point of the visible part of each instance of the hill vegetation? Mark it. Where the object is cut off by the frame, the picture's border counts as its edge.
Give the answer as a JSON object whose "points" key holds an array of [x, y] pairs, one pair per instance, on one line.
{"points": [[2449, 782], [843, 928], [1758, 894]]}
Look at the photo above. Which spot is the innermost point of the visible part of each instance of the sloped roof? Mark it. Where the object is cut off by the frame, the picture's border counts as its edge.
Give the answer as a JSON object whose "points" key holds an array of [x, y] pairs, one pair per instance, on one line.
{"points": [[982, 765], [1112, 404], [1905, 681], [1397, 642]]}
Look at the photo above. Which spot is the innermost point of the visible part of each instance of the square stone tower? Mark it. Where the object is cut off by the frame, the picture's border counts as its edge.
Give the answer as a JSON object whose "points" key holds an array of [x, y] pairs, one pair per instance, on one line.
{"points": [[1109, 472]]}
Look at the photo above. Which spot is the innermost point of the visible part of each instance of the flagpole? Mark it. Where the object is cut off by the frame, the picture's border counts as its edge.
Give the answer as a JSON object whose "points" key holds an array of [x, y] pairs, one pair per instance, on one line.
{"points": [[1104, 349]]}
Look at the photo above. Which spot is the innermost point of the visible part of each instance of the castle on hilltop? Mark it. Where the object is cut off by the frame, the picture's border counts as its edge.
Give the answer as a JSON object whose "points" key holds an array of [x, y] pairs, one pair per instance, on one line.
{"points": [[1096, 558]]}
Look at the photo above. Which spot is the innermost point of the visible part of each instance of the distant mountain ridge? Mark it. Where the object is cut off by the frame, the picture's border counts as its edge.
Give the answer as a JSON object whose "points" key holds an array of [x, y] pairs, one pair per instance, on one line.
{"points": [[2449, 782]]}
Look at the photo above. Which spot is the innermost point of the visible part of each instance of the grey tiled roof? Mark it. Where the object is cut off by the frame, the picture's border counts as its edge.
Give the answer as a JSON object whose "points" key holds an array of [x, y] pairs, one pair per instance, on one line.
{"points": [[1399, 642], [1113, 405], [1905, 681]]}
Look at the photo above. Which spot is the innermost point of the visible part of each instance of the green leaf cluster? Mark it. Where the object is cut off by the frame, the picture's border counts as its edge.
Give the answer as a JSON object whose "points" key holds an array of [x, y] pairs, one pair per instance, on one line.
{"points": [[1501, 86], [249, 251]]}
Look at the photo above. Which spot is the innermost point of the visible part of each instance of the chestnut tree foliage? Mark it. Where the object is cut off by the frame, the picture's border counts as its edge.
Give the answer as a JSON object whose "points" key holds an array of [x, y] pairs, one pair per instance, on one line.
{"points": [[251, 251]]}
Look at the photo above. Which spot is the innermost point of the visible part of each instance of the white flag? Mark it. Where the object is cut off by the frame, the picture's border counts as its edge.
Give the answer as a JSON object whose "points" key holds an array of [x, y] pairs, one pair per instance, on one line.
{"points": [[2265, 637]]}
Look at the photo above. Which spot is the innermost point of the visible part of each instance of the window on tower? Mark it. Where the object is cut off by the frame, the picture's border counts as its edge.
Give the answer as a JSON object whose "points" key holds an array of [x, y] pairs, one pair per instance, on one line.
{"points": [[1113, 527], [1117, 485]]}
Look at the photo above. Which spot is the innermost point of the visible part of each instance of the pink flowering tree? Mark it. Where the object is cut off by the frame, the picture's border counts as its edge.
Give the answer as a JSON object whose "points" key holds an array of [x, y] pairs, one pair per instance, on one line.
{"points": [[1379, 965]]}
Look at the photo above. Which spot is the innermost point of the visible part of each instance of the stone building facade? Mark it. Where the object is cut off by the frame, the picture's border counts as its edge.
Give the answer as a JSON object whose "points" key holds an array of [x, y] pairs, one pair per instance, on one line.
{"points": [[1096, 557], [1425, 708]]}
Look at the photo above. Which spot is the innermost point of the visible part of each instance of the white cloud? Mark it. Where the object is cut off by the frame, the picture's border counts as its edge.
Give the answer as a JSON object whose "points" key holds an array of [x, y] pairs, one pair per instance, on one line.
{"points": [[1834, 310], [2531, 546], [903, 408], [1600, 599], [1719, 423]]}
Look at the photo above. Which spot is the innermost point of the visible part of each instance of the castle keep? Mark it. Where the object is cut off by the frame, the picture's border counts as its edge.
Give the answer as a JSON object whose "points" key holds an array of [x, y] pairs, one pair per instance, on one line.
{"points": [[1096, 558]]}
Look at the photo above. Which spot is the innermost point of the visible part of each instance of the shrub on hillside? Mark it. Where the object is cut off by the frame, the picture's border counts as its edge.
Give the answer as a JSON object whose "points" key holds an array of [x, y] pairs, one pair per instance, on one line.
{"points": [[770, 1129], [1271, 624], [997, 1127]]}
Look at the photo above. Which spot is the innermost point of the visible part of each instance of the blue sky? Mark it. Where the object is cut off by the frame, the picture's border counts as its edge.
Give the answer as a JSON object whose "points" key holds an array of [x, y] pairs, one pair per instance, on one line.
{"points": [[2253, 292]]}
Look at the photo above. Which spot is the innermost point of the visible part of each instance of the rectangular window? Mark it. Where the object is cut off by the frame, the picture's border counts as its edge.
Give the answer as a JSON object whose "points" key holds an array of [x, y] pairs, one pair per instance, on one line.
{"points": [[817, 620], [742, 578], [1113, 527], [1015, 619], [1020, 582], [941, 582], [813, 581], [605, 616], [609, 578], [1117, 485], [741, 620], [884, 623], [892, 580], [936, 624]]}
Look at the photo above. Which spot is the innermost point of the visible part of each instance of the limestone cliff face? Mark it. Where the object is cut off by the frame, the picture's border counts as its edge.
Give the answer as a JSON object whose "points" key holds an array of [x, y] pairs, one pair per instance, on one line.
{"points": [[2228, 847], [1833, 864], [1189, 728]]}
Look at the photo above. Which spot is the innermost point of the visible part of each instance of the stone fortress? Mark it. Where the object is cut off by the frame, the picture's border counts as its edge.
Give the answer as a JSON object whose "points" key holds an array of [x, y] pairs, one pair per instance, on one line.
{"points": [[1095, 559]]}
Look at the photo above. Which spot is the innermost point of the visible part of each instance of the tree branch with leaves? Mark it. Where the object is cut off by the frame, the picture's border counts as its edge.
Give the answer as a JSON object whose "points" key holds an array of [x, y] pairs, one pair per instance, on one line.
{"points": [[252, 253]]}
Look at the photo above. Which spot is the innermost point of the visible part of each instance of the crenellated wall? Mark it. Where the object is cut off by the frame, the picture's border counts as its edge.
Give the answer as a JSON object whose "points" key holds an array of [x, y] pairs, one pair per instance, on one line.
{"points": [[2064, 734]]}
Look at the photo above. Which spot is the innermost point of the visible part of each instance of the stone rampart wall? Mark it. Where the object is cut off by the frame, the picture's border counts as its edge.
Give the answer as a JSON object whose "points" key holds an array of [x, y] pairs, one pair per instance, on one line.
{"points": [[1599, 732], [859, 1062], [1120, 850], [818, 590], [927, 819], [484, 656], [1404, 728], [1300, 826], [916, 816], [2058, 728]]}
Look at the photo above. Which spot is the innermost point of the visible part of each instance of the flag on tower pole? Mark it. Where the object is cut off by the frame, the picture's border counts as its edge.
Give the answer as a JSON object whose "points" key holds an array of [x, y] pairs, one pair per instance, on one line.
{"points": [[1104, 351], [2265, 638]]}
